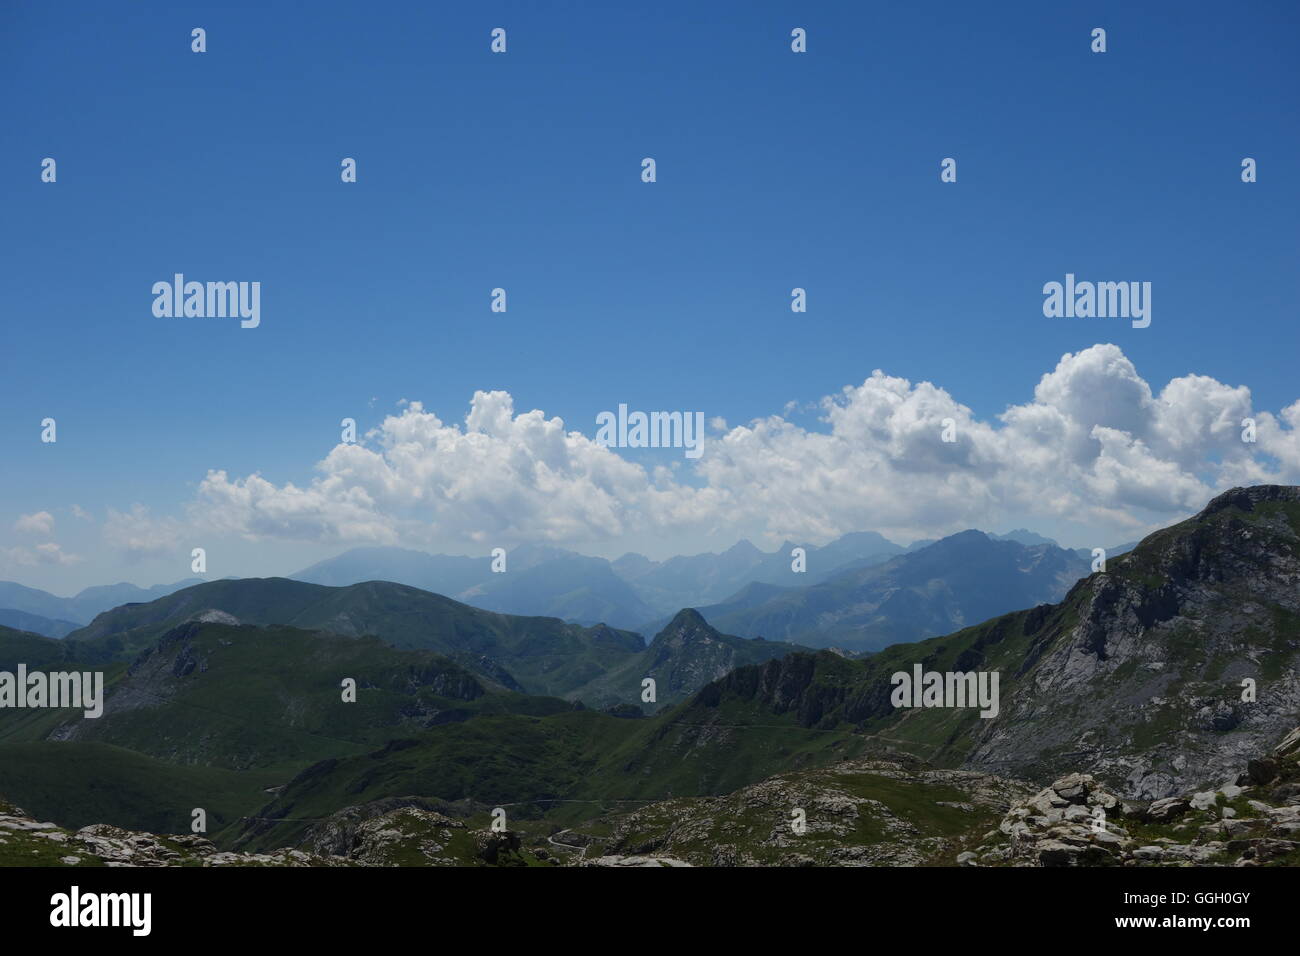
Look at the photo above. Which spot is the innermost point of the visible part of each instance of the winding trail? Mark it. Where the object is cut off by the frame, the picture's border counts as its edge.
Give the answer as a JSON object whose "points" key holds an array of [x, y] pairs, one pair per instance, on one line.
{"points": [[582, 850]]}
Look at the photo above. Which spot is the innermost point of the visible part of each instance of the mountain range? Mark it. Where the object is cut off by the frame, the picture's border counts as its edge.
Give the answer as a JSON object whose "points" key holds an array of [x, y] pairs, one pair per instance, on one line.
{"points": [[836, 603], [1176, 667], [632, 592], [962, 579]]}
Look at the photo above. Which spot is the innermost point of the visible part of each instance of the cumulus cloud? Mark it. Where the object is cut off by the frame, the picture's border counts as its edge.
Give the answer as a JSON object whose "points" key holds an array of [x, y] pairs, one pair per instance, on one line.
{"points": [[40, 523], [1094, 445], [501, 475]]}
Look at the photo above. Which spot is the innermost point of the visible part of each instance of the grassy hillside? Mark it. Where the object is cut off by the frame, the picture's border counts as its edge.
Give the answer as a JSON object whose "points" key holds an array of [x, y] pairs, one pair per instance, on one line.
{"points": [[538, 655], [76, 784], [567, 766]]}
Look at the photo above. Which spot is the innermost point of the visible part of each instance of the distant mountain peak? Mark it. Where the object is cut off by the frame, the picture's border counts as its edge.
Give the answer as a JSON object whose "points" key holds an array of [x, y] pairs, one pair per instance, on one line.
{"points": [[968, 537], [865, 536], [1026, 537], [687, 617]]}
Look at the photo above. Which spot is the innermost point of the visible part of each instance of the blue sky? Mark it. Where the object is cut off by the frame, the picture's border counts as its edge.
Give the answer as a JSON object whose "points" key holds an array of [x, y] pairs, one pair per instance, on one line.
{"points": [[522, 170]]}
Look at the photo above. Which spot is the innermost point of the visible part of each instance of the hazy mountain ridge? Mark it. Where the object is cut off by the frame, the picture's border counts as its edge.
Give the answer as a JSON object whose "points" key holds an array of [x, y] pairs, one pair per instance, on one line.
{"points": [[688, 581], [36, 624], [956, 581], [82, 607], [632, 592]]}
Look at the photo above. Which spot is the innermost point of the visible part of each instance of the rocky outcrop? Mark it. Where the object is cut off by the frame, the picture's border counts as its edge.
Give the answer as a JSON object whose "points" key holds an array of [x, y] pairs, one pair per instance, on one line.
{"points": [[1174, 666], [881, 811], [406, 836], [25, 841], [1078, 822]]}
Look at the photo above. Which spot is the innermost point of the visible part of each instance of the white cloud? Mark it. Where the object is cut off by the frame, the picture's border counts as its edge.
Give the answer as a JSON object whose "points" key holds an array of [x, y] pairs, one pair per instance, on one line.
{"points": [[41, 523], [138, 535], [1095, 445], [45, 553], [501, 476]]}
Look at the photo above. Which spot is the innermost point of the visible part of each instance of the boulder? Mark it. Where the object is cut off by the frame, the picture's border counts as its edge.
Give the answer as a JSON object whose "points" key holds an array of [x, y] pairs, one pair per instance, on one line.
{"points": [[1162, 811]]}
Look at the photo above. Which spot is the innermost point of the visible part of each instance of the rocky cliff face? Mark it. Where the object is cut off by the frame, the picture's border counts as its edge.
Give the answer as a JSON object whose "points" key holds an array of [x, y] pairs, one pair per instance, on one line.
{"points": [[1165, 672], [1138, 676]]}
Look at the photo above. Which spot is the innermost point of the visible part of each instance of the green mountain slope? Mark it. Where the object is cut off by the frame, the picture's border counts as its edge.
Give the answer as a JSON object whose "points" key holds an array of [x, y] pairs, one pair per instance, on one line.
{"points": [[214, 697], [536, 654], [77, 784], [523, 763], [568, 766], [239, 696]]}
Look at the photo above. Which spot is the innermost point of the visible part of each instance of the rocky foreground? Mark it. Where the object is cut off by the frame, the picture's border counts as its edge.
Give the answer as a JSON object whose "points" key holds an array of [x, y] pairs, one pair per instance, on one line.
{"points": [[407, 836], [1251, 821], [897, 812], [859, 812], [886, 811]]}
